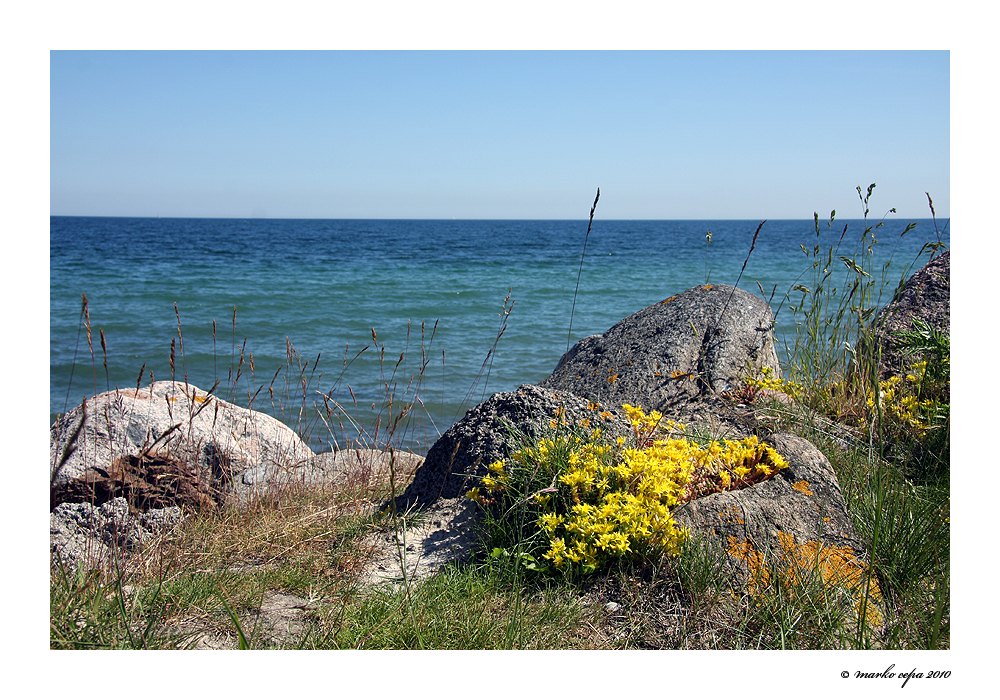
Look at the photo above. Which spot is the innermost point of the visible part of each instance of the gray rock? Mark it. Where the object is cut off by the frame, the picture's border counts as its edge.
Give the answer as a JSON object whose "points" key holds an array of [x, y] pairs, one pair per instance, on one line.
{"points": [[142, 457], [925, 296], [491, 431], [706, 339], [81, 534], [801, 506], [170, 442]]}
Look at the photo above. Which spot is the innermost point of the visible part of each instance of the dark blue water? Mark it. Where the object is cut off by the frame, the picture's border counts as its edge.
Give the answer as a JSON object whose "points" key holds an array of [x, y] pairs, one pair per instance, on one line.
{"points": [[433, 291]]}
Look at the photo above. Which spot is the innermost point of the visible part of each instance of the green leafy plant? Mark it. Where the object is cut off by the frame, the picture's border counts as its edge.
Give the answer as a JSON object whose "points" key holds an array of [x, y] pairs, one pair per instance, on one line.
{"points": [[912, 411]]}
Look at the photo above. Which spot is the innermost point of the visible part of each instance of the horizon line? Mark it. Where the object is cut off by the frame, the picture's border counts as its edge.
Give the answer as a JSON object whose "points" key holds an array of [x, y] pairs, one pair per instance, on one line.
{"points": [[428, 218]]}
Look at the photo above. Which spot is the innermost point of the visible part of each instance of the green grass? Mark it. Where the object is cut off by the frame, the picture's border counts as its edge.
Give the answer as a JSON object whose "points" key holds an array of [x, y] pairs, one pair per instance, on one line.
{"points": [[209, 576]]}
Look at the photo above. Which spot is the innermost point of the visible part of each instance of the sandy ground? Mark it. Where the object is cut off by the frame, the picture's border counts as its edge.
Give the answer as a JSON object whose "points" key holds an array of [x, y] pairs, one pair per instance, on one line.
{"points": [[423, 542]]}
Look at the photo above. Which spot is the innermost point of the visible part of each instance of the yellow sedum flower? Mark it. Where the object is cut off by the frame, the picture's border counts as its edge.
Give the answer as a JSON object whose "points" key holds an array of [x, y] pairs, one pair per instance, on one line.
{"points": [[609, 500], [475, 495]]}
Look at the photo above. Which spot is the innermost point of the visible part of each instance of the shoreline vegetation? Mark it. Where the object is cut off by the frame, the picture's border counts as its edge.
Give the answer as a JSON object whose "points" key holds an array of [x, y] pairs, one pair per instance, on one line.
{"points": [[285, 571]]}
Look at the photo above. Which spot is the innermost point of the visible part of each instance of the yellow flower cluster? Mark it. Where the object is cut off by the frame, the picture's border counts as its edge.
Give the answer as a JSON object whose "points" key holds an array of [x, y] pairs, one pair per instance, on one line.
{"points": [[614, 500], [639, 420], [731, 465], [617, 504], [901, 404], [767, 380], [498, 482]]}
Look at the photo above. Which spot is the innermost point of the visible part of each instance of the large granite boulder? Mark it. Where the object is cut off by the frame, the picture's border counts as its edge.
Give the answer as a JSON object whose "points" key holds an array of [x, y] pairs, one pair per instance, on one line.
{"points": [[797, 518], [169, 444], [925, 296], [705, 340]]}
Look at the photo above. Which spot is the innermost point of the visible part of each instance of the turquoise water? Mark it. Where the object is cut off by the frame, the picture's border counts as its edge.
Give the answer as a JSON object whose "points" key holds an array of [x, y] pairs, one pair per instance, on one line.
{"points": [[433, 291]]}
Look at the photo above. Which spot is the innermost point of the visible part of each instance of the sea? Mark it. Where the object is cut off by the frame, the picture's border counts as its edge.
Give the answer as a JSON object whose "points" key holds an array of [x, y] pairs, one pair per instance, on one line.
{"points": [[377, 332]]}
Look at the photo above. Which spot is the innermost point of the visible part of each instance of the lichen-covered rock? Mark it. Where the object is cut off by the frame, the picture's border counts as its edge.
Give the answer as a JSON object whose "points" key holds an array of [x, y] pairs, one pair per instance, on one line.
{"points": [[706, 339], [925, 296], [169, 442], [490, 431], [801, 508]]}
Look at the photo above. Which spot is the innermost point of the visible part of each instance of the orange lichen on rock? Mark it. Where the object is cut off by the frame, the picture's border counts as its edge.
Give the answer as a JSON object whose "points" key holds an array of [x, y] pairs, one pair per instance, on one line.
{"points": [[760, 577], [733, 514], [802, 486], [838, 567]]}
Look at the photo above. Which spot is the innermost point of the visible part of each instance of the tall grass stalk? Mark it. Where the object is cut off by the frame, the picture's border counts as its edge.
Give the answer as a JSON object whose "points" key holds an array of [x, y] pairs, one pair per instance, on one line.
{"points": [[579, 275]]}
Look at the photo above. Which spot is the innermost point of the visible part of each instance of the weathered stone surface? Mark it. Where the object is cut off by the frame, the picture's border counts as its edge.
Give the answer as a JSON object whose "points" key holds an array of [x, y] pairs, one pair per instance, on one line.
{"points": [[925, 296], [81, 534], [801, 504], [706, 339], [171, 441], [483, 436], [711, 416]]}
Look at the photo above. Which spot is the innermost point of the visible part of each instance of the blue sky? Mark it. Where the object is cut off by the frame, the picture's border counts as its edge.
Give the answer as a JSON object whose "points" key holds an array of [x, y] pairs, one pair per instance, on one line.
{"points": [[442, 134]]}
